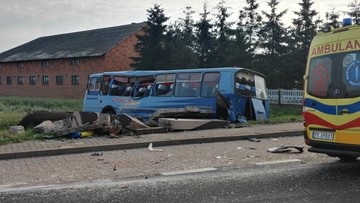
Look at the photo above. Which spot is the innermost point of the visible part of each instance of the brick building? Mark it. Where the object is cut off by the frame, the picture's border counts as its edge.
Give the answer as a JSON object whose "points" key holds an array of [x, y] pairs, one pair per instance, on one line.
{"points": [[58, 66]]}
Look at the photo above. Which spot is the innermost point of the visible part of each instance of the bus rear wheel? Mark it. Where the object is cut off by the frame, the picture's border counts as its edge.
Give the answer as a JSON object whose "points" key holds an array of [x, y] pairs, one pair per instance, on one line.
{"points": [[347, 158]]}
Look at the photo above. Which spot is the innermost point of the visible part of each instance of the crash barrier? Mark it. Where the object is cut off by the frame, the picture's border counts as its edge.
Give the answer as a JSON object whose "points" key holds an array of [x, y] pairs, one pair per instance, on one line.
{"points": [[285, 96]]}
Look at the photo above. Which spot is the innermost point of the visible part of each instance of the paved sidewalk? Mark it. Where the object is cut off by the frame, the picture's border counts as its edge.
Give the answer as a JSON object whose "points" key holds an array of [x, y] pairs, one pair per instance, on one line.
{"points": [[96, 144]]}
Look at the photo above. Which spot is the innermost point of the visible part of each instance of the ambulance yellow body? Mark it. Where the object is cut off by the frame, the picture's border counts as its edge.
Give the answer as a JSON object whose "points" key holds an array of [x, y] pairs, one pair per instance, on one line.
{"points": [[331, 108]]}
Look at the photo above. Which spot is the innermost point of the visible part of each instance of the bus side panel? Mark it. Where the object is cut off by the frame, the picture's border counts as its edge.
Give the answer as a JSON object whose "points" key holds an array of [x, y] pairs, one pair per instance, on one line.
{"points": [[148, 106]]}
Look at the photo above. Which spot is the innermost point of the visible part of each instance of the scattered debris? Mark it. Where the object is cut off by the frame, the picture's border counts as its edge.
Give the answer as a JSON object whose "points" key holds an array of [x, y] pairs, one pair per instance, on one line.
{"points": [[152, 149], [17, 129], [253, 139], [252, 156], [45, 127], [192, 124], [282, 149], [239, 148], [36, 117], [97, 154], [218, 157], [274, 139]]}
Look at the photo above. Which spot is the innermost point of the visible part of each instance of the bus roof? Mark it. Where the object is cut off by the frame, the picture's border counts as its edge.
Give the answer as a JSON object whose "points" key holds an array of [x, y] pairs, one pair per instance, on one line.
{"points": [[153, 72]]}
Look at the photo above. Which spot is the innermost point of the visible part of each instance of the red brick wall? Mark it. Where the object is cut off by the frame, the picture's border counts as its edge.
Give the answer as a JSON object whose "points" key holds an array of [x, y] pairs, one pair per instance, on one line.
{"points": [[116, 59]]}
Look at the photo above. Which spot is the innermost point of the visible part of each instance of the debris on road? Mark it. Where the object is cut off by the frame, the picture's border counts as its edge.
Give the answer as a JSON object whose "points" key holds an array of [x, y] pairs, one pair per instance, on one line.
{"points": [[152, 149], [252, 139], [97, 154], [283, 149]]}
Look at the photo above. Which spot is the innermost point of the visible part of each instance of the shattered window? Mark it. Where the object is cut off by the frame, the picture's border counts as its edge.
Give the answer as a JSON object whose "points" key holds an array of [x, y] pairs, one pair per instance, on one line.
{"points": [[164, 85]]}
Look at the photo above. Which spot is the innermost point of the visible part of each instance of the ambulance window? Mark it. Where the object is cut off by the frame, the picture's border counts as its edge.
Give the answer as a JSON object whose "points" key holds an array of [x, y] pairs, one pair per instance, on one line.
{"points": [[351, 74], [320, 77]]}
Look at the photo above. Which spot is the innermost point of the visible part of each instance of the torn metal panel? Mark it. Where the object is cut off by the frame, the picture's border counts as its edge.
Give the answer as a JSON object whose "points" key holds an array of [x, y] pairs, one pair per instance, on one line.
{"points": [[192, 124]]}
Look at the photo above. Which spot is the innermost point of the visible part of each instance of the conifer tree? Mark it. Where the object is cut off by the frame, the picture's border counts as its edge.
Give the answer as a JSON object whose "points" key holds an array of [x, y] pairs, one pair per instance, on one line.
{"points": [[204, 38], [354, 10], [252, 25], [152, 45]]}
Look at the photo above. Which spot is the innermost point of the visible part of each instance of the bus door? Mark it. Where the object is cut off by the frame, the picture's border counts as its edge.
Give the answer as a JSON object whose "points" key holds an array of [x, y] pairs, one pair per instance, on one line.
{"points": [[91, 99]]}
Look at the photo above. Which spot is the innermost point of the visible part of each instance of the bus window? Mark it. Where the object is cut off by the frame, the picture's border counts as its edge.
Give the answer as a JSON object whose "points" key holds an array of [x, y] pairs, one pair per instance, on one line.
{"points": [[260, 87], [105, 85], [164, 85], [118, 85], [188, 84], [129, 87], [245, 84], [94, 85], [210, 84], [144, 86]]}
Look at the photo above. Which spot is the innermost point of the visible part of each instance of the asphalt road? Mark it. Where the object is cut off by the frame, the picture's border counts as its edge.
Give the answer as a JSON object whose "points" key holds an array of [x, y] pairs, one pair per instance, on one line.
{"points": [[332, 182], [239, 171]]}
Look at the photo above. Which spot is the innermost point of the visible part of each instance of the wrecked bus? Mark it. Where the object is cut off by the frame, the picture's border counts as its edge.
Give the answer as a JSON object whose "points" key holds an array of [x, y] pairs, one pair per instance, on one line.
{"points": [[234, 94], [332, 94]]}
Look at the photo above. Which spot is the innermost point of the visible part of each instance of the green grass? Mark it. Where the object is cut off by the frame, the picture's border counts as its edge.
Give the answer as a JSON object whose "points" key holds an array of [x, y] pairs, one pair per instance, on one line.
{"points": [[13, 109]]}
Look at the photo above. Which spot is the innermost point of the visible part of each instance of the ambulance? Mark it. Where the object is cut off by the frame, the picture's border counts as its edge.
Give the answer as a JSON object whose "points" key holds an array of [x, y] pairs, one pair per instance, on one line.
{"points": [[331, 108]]}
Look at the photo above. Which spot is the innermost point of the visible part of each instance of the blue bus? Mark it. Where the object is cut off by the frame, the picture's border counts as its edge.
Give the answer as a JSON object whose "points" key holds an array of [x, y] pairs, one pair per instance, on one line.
{"points": [[229, 93]]}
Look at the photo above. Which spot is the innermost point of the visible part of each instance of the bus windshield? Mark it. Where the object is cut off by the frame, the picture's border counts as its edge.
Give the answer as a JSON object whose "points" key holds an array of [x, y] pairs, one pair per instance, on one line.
{"points": [[335, 76]]}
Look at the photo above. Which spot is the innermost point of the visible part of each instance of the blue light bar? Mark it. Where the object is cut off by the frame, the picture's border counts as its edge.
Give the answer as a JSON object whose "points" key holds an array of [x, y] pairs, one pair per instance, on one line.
{"points": [[347, 22]]}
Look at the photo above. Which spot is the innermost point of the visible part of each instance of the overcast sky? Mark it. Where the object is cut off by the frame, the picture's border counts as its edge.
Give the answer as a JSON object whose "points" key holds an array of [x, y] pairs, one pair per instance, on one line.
{"points": [[24, 20]]}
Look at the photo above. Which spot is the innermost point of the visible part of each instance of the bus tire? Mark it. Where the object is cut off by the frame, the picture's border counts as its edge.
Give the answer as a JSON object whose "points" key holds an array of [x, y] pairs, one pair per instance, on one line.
{"points": [[347, 158]]}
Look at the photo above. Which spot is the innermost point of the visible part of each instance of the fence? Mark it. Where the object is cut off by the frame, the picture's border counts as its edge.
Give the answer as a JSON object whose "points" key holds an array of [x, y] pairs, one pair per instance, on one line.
{"points": [[282, 96]]}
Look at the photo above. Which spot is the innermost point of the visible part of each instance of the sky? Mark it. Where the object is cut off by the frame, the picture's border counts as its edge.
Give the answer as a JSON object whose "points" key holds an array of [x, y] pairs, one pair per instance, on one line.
{"points": [[24, 20]]}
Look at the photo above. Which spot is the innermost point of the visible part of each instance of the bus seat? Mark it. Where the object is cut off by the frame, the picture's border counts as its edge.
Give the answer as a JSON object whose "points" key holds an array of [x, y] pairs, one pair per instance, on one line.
{"points": [[128, 91], [141, 92], [162, 89]]}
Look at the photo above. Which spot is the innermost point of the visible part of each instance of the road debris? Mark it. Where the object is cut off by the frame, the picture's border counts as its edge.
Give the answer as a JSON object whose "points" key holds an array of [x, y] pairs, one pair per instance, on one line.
{"points": [[152, 149], [97, 154], [253, 139], [283, 149]]}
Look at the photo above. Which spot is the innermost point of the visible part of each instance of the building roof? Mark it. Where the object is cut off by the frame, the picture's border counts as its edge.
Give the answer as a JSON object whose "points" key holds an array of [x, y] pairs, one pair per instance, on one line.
{"points": [[71, 45]]}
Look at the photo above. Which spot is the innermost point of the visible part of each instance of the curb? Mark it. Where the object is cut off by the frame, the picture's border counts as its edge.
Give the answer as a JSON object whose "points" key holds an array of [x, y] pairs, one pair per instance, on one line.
{"points": [[157, 143]]}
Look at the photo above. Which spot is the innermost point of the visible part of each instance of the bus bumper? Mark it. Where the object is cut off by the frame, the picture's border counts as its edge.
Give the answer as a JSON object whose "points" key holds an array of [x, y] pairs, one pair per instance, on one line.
{"points": [[333, 149]]}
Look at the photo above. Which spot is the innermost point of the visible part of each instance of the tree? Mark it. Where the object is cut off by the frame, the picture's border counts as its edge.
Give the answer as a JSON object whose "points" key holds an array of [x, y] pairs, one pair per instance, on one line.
{"points": [[273, 33], [181, 40], [354, 10], [304, 27], [302, 32], [273, 43], [240, 46], [187, 24], [204, 38], [252, 25], [223, 33], [332, 18], [152, 45]]}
